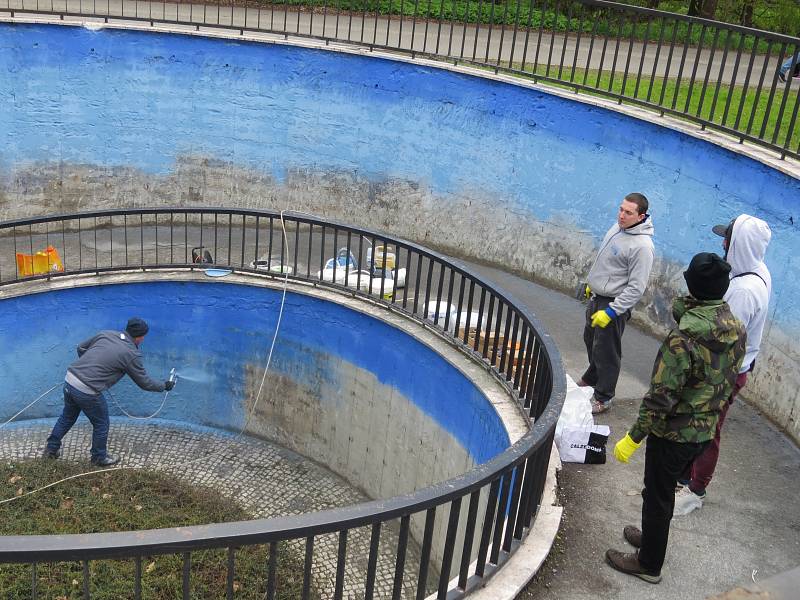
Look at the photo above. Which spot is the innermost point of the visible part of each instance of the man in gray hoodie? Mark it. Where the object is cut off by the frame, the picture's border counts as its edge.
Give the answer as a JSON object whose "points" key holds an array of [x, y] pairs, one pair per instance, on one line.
{"points": [[745, 240], [615, 284], [102, 361]]}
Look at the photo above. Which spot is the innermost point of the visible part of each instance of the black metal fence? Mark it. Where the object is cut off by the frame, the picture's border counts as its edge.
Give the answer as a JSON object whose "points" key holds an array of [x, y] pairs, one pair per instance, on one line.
{"points": [[487, 511], [717, 75]]}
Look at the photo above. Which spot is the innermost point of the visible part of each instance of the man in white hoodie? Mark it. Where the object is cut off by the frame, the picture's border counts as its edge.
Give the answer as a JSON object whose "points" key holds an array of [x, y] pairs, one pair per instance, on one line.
{"points": [[745, 240], [615, 284]]}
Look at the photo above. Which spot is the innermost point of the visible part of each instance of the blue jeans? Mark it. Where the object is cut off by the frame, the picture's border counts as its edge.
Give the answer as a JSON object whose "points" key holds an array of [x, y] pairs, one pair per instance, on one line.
{"points": [[784, 70], [96, 410]]}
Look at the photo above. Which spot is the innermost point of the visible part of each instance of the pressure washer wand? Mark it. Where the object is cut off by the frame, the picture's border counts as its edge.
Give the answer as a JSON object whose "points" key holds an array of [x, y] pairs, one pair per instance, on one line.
{"points": [[173, 376]]}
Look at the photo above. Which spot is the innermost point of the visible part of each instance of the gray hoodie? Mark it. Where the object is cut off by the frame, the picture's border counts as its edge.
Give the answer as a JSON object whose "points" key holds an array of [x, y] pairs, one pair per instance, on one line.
{"points": [[622, 267], [748, 295], [106, 357]]}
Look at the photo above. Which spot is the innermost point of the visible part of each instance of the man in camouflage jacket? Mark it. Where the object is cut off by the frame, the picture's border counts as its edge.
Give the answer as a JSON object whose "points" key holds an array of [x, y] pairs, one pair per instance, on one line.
{"points": [[693, 375]]}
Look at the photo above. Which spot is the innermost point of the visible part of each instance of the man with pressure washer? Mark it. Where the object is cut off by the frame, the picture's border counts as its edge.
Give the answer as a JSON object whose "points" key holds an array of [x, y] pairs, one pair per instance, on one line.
{"points": [[102, 361]]}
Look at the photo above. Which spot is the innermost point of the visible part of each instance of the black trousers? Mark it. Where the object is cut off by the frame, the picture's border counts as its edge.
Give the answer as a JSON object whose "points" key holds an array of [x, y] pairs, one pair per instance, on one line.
{"points": [[663, 464], [604, 349]]}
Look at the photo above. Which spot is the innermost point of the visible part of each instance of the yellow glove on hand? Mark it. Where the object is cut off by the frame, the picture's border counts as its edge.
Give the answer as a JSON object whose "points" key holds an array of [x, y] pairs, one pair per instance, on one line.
{"points": [[600, 319], [587, 292], [625, 448]]}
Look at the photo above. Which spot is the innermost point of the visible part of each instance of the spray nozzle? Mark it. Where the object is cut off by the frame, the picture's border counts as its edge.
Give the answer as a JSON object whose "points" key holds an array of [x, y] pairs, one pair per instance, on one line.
{"points": [[173, 375]]}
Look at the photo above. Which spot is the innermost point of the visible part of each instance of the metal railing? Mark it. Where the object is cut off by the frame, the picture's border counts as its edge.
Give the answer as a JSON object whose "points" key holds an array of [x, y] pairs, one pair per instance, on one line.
{"points": [[720, 76], [488, 510]]}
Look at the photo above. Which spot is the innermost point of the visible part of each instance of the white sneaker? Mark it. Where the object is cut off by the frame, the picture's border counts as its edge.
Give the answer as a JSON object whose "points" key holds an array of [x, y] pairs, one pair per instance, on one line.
{"points": [[686, 501]]}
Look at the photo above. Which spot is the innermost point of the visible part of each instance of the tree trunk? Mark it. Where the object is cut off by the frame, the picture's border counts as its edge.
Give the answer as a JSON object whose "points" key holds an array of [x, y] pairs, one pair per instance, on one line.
{"points": [[703, 8], [747, 13]]}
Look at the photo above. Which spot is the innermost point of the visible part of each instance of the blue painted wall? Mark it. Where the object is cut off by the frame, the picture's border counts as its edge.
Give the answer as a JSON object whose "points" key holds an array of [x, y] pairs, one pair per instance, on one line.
{"points": [[135, 99], [211, 331]]}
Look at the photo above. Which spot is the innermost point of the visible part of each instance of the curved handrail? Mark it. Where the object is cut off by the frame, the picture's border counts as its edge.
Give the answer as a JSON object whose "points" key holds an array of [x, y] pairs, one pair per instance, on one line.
{"points": [[512, 482]]}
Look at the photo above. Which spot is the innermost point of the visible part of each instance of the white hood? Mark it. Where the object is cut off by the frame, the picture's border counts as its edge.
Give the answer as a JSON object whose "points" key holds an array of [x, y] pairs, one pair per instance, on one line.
{"points": [[748, 244]]}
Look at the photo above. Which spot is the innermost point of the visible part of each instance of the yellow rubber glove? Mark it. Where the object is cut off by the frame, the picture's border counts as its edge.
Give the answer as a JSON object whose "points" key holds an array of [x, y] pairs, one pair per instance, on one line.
{"points": [[600, 319], [625, 448], [587, 292]]}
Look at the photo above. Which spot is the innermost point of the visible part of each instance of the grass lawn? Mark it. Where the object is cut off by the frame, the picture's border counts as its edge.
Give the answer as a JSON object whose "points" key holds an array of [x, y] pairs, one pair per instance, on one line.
{"points": [[125, 500], [668, 93]]}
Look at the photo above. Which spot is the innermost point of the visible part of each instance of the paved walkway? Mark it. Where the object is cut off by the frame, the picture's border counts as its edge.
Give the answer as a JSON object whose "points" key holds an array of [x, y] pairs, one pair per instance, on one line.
{"points": [[483, 43], [266, 480], [749, 528]]}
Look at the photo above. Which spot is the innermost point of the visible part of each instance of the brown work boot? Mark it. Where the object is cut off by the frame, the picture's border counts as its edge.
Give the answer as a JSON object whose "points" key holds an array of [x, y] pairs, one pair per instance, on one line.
{"points": [[629, 563], [632, 535]]}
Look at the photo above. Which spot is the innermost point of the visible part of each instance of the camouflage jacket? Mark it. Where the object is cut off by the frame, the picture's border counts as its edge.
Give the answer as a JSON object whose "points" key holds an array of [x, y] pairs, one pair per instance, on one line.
{"points": [[694, 373]]}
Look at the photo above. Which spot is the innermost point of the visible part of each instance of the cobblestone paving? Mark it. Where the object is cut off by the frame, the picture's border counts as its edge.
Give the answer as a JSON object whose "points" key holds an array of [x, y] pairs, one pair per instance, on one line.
{"points": [[264, 479]]}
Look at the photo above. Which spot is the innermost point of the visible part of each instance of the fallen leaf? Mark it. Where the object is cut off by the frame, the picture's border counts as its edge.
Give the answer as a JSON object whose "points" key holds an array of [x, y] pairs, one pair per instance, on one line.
{"points": [[150, 568], [236, 586], [68, 503], [14, 479], [138, 507], [75, 582], [106, 496], [19, 492]]}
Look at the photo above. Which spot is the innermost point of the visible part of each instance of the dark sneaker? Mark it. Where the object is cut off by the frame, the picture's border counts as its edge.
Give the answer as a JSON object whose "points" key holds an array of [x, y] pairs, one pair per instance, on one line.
{"points": [[48, 453], [629, 563], [106, 461], [632, 535]]}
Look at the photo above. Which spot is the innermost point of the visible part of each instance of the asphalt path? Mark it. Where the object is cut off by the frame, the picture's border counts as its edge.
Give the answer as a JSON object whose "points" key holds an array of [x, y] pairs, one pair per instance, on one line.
{"points": [[500, 45]]}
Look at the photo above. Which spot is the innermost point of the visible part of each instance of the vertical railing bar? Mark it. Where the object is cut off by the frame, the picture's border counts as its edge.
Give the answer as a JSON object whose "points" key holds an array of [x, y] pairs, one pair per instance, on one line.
{"points": [[577, 44], [486, 532], [372, 561], [489, 33], [770, 100], [450, 285], [477, 29], [479, 332], [335, 254], [341, 559], [682, 64], [513, 509], [759, 88], [514, 37], [539, 38], [620, 27], [793, 120], [186, 576], [564, 45], [520, 367], [587, 68], [523, 518], [488, 335], [469, 537], [309, 559], [310, 251], [510, 350], [385, 246], [527, 36], [720, 76], [506, 341], [231, 566], [85, 569], [449, 546], [630, 53], [746, 85], [408, 273], [502, 33], [425, 555], [416, 285], [708, 74], [137, 578], [272, 570], [460, 307], [556, 6], [641, 58], [322, 253], [428, 280], [733, 80], [372, 266], [523, 385], [602, 53], [439, 289], [656, 60], [400, 562], [500, 517]]}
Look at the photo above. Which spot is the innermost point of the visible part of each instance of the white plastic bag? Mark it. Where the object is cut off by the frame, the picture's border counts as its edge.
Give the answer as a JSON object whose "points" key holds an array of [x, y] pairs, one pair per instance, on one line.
{"points": [[577, 438]]}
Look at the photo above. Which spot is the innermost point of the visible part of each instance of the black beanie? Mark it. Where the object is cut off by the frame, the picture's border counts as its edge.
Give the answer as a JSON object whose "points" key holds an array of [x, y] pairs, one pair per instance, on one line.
{"points": [[136, 327], [707, 276]]}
